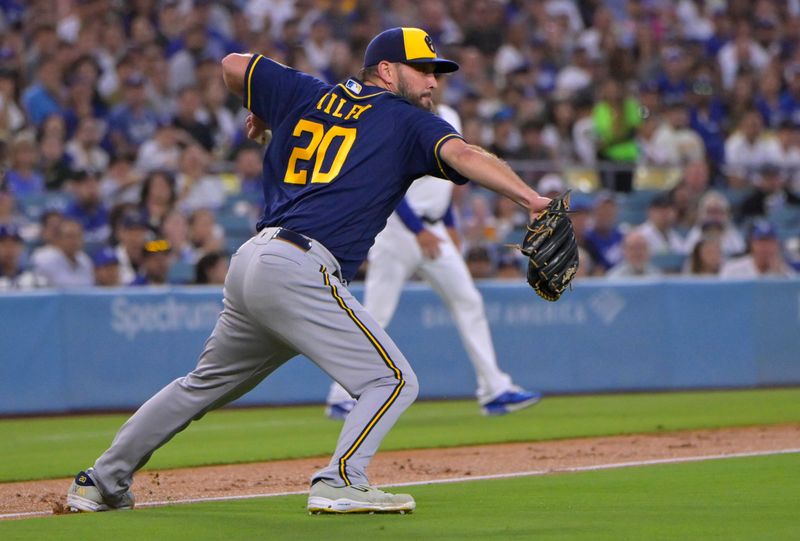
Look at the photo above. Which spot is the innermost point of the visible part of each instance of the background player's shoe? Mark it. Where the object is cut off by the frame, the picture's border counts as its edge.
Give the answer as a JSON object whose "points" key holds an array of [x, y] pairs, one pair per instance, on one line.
{"points": [[323, 498], [509, 401], [339, 410], [83, 495]]}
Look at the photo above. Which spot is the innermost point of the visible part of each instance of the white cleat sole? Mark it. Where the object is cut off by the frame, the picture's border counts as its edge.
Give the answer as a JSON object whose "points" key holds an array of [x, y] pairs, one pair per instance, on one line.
{"points": [[79, 504], [317, 505]]}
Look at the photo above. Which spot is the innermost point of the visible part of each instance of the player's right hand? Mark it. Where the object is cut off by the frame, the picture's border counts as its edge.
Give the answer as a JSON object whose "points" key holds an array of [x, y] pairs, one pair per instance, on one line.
{"points": [[256, 129], [429, 244]]}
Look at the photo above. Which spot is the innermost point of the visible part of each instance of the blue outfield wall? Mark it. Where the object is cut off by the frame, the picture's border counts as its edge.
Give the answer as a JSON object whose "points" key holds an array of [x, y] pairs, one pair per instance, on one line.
{"points": [[95, 349]]}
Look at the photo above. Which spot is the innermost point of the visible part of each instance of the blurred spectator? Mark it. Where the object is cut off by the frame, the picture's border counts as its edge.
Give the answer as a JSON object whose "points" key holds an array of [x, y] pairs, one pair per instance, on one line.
{"points": [[121, 183], [106, 268], [616, 118], [133, 121], [679, 143], [54, 163], [557, 134], [788, 136], [12, 275], [182, 64], [131, 232], [764, 257], [742, 53], [163, 151], [479, 262], [44, 97], [190, 118], [583, 134], [155, 265], [87, 207], [715, 209], [159, 196], [508, 218], [12, 119], [509, 265], [211, 269], [706, 257], [196, 186], [673, 83], [84, 148], [771, 194], [768, 100], [750, 146], [636, 258], [9, 213], [604, 238], [581, 215], [175, 230], [507, 142], [221, 119], [22, 177], [248, 165], [49, 225], [205, 235], [658, 230], [68, 265], [707, 118]]}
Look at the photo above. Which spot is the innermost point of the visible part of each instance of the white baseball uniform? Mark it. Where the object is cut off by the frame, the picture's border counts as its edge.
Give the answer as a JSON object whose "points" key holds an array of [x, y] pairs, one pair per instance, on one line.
{"points": [[396, 256]]}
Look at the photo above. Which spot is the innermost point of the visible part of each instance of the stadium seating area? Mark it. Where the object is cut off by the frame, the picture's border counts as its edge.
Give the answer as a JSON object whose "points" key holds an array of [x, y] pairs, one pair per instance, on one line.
{"points": [[115, 115]]}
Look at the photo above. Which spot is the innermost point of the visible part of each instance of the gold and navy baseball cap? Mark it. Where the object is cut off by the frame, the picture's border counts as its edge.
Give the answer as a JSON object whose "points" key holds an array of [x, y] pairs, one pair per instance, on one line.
{"points": [[406, 45]]}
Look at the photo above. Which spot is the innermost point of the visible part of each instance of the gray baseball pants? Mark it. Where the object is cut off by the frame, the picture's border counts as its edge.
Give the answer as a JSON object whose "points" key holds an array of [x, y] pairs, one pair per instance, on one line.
{"points": [[280, 299]]}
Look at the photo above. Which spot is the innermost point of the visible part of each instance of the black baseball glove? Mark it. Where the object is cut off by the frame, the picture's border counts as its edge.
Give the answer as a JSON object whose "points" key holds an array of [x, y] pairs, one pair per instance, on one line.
{"points": [[551, 249]]}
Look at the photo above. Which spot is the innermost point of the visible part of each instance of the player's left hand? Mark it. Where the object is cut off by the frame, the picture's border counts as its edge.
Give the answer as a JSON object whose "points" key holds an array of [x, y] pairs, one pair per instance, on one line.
{"points": [[429, 243]]}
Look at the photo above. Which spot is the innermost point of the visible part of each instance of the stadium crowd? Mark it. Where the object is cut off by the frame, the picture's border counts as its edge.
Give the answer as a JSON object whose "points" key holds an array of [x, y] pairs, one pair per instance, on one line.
{"points": [[677, 124]]}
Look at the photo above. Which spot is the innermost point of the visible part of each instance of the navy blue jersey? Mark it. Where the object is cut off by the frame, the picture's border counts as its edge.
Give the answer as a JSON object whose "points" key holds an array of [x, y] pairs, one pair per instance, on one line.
{"points": [[341, 156]]}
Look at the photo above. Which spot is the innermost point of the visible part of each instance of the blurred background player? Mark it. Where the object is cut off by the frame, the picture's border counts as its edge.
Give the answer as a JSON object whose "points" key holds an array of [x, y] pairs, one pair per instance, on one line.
{"points": [[420, 237]]}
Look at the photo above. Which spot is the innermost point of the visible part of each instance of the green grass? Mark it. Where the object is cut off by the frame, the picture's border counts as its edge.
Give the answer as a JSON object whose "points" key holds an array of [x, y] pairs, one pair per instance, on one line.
{"points": [[53, 447], [731, 499]]}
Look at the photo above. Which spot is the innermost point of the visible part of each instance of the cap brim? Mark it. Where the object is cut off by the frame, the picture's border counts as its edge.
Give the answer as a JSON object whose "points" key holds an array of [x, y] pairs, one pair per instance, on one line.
{"points": [[440, 65]]}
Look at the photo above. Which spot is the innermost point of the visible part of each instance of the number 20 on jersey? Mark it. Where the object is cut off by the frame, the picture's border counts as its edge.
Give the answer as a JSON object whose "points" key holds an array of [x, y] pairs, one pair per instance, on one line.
{"points": [[317, 150]]}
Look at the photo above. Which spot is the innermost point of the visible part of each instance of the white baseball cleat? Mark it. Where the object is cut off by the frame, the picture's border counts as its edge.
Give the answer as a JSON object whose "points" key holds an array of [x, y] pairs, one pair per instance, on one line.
{"points": [[84, 496], [325, 498]]}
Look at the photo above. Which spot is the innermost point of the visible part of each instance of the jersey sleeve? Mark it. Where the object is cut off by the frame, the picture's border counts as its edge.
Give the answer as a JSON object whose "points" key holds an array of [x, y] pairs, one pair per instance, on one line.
{"points": [[272, 89], [430, 133], [409, 217]]}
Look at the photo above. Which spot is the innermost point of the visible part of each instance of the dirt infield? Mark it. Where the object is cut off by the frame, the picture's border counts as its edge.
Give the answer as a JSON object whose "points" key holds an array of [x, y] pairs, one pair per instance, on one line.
{"points": [[419, 465]]}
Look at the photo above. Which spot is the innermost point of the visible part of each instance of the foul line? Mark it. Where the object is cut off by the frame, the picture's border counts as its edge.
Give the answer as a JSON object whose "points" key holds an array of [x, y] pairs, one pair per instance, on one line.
{"points": [[530, 473]]}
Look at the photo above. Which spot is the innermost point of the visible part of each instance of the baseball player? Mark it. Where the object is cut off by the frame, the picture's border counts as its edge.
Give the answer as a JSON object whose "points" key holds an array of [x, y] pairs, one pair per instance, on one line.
{"points": [[419, 238], [341, 158]]}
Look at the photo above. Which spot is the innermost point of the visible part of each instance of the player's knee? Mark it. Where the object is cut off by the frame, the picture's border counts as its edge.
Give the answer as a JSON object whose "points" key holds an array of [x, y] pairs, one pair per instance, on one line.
{"points": [[411, 386]]}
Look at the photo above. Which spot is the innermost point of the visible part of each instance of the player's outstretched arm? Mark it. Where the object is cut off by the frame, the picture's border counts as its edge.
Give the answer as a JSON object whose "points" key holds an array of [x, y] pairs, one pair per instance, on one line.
{"points": [[490, 172], [234, 67]]}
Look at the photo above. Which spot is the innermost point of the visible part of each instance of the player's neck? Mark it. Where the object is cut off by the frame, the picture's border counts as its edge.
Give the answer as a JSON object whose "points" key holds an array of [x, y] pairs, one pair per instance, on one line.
{"points": [[376, 81]]}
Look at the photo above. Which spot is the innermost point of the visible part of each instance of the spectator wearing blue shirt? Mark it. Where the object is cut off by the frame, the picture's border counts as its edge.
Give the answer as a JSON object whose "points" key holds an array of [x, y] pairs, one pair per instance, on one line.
{"points": [[707, 117], [87, 207], [672, 83], [155, 265], [604, 239], [43, 98], [134, 121], [22, 177]]}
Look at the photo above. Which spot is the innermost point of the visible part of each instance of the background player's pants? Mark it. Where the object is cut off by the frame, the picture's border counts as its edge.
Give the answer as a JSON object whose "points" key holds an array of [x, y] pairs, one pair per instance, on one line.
{"points": [[279, 301], [394, 257]]}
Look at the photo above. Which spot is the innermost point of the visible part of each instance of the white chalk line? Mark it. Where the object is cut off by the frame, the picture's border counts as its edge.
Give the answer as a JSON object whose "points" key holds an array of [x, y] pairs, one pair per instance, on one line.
{"points": [[529, 473]]}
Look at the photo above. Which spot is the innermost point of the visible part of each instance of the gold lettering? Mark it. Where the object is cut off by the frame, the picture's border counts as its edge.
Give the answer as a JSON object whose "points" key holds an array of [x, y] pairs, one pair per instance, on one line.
{"points": [[322, 99], [356, 111], [330, 103], [337, 113]]}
